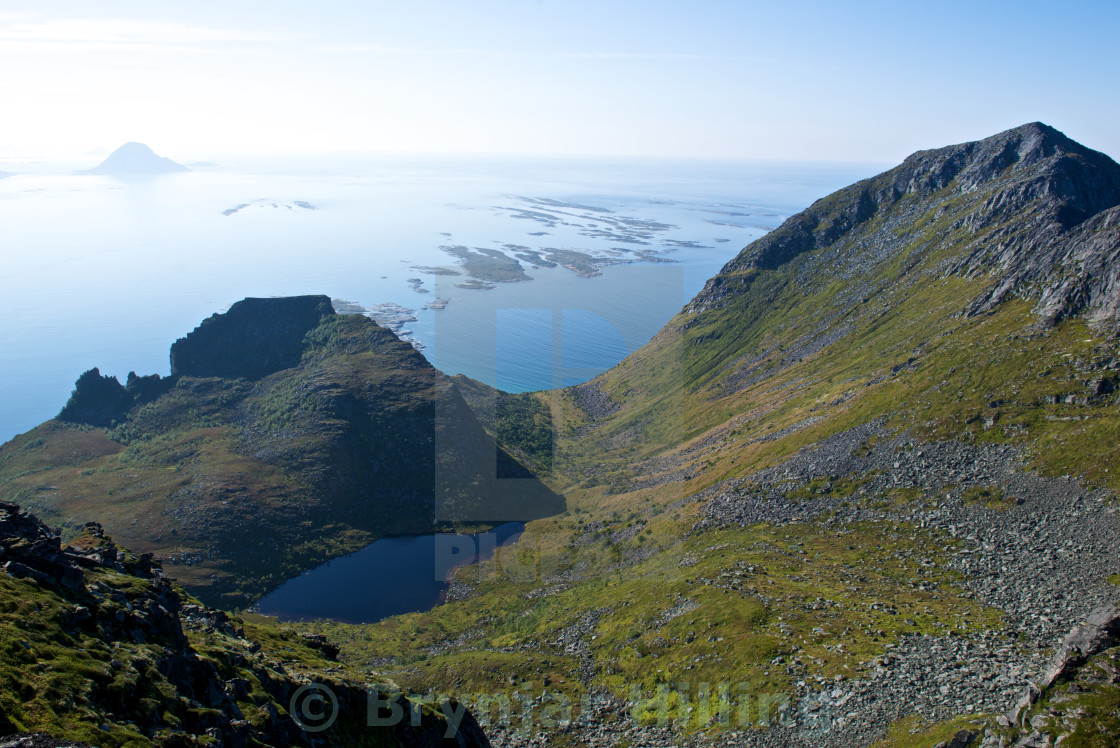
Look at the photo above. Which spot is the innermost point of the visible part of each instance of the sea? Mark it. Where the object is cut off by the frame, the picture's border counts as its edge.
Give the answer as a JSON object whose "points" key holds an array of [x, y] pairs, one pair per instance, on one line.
{"points": [[524, 273]]}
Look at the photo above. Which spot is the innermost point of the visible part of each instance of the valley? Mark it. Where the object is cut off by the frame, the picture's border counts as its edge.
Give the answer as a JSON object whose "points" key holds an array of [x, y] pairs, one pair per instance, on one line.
{"points": [[831, 477]]}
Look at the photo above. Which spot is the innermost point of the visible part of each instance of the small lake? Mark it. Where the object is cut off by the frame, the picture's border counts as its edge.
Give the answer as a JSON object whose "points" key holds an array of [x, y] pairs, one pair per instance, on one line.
{"points": [[388, 577]]}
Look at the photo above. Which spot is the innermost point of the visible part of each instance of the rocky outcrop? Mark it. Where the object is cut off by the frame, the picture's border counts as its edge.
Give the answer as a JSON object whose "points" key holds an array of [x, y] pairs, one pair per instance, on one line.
{"points": [[255, 338], [144, 389], [1100, 631], [96, 400], [39, 740], [101, 400], [146, 661], [961, 739], [1075, 700], [1070, 273]]}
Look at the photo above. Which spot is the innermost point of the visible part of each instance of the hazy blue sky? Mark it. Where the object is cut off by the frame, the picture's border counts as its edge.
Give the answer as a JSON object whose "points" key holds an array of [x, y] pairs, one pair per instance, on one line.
{"points": [[798, 79]]}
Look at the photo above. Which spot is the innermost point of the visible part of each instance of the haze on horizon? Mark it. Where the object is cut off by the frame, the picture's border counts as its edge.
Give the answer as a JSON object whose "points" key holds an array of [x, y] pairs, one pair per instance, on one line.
{"points": [[871, 81]]}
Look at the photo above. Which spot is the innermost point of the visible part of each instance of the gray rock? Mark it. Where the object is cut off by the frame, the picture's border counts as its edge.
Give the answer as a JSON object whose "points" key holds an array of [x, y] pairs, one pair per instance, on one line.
{"points": [[1101, 631]]}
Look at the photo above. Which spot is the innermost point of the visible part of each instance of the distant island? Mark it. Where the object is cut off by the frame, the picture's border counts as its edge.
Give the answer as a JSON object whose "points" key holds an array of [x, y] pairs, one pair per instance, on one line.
{"points": [[134, 159]]}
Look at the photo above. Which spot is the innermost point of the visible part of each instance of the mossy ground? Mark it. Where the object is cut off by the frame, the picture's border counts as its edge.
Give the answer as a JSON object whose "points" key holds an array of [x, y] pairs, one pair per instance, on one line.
{"points": [[726, 607], [70, 680]]}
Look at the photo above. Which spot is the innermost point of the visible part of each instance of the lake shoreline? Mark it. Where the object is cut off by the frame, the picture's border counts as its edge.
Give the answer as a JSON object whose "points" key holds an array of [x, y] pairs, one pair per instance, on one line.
{"points": [[327, 592]]}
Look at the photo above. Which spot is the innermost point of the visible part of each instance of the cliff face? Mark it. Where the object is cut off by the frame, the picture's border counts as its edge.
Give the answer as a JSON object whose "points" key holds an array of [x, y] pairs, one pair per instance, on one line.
{"points": [[287, 435], [254, 338], [102, 647], [96, 400]]}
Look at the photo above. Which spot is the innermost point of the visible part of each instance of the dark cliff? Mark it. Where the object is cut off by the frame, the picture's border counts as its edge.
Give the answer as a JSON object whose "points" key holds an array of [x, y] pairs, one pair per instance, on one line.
{"points": [[254, 338], [96, 400]]}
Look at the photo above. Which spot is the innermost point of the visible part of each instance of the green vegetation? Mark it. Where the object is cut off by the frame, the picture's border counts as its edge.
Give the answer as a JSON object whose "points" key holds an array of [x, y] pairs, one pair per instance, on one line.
{"points": [[488, 265], [752, 606], [520, 422], [914, 732], [115, 659]]}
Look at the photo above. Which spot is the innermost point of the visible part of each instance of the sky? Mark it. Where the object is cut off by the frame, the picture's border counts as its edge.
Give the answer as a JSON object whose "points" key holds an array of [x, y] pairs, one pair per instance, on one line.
{"points": [[799, 80]]}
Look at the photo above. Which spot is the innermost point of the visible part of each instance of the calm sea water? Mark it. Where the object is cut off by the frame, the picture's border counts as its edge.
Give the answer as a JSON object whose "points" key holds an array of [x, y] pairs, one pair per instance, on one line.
{"points": [[389, 577], [103, 272]]}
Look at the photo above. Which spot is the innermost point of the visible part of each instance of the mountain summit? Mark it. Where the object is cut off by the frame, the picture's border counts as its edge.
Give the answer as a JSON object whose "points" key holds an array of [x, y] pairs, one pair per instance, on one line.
{"points": [[1024, 218], [136, 159], [1029, 209]]}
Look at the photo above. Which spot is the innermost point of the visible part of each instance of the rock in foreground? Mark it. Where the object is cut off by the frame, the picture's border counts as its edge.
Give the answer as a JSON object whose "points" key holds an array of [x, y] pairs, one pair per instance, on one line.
{"points": [[100, 646]]}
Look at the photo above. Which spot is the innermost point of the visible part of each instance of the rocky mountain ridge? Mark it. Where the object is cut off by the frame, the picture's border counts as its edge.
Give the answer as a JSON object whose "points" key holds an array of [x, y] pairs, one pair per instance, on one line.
{"points": [[1061, 253]]}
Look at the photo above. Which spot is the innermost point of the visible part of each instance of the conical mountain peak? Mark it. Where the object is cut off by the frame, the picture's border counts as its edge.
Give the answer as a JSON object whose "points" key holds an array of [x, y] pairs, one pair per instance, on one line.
{"points": [[136, 159]]}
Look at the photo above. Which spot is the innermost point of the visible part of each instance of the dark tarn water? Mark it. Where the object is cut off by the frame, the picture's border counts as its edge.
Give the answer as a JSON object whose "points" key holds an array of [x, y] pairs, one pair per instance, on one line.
{"points": [[388, 577]]}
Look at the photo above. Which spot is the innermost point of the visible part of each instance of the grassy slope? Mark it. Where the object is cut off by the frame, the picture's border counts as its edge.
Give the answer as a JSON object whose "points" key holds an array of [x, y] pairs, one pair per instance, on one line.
{"points": [[521, 422], [97, 682]]}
